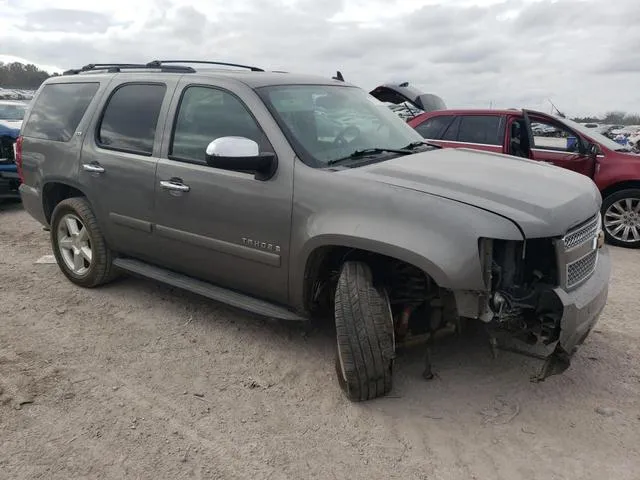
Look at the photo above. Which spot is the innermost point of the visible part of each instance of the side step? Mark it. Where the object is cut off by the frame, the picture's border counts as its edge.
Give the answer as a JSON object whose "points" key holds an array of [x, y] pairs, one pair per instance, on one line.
{"points": [[205, 289]]}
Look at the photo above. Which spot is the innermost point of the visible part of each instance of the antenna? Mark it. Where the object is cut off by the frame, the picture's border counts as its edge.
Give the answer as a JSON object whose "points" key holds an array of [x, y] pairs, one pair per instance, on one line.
{"points": [[556, 109], [338, 76]]}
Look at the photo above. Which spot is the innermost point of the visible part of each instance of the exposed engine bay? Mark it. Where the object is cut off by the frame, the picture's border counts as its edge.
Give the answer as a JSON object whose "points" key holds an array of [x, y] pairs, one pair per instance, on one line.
{"points": [[519, 311]]}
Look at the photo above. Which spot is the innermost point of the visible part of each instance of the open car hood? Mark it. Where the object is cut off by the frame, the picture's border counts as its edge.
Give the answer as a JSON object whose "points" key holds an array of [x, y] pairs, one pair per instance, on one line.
{"points": [[405, 93]]}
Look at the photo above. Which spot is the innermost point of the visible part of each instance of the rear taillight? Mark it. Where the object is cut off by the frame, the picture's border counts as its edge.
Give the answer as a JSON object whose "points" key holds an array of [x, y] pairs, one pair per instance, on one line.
{"points": [[17, 154]]}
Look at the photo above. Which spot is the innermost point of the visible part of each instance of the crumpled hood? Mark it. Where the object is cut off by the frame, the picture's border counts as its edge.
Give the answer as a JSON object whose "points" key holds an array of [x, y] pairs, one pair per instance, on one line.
{"points": [[542, 199]]}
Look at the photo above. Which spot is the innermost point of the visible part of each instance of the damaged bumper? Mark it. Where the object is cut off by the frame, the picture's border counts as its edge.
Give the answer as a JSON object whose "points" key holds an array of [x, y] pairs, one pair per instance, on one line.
{"points": [[581, 309]]}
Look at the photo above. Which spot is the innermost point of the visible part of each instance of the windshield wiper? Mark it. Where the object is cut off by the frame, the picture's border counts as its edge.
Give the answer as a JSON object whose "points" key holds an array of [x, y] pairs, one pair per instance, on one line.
{"points": [[368, 152], [414, 145]]}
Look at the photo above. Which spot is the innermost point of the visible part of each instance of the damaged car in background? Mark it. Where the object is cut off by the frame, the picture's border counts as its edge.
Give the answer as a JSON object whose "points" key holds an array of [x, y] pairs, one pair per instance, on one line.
{"points": [[11, 115]]}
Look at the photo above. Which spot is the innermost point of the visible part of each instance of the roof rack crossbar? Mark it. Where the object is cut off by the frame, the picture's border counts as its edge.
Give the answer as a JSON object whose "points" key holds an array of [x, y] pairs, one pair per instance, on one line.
{"points": [[117, 67], [157, 63]]}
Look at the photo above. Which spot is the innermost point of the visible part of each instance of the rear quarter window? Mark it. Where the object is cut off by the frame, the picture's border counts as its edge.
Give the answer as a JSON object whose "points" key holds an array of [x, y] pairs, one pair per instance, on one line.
{"points": [[58, 110], [434, 127]]}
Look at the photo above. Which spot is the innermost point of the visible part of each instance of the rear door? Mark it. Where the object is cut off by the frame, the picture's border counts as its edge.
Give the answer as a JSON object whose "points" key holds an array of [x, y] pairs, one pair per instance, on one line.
{"points": [[554, 142], [119, 159]]}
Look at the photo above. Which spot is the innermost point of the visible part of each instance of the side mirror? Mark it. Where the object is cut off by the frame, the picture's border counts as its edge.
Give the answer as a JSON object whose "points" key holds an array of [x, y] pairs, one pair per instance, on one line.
{"points": [[241, 154], [593, 150]]}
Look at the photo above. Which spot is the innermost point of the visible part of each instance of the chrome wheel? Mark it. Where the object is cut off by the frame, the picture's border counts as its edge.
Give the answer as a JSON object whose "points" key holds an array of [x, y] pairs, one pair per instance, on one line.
{"points": [[74, 244], [622, 220]]}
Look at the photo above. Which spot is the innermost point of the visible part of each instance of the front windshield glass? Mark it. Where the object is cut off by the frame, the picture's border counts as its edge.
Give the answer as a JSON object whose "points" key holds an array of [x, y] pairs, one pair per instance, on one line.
{"points": [[12, 111], [598, 137], [326, 123]]}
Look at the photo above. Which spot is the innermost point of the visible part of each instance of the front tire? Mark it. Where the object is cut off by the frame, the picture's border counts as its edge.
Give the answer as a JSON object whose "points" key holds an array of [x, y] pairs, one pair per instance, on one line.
{"points": [[621, 218], [365, 335], [78, 244]]}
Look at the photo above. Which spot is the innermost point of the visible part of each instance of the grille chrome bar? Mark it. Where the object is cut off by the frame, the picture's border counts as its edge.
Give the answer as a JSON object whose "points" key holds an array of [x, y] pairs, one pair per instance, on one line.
{"points": [[577, 252], [581, 269], [582, 233]]}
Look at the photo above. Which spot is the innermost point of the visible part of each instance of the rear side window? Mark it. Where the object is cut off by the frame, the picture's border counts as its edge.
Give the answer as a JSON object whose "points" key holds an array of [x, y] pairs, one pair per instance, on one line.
{"points": [[130, 119], [434, 127], [484, 129], [58, 110]]}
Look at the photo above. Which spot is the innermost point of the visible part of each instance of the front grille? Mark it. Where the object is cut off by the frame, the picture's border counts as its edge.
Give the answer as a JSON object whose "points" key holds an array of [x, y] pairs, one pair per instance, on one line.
{"points": [[582, 233], [581, 269]]}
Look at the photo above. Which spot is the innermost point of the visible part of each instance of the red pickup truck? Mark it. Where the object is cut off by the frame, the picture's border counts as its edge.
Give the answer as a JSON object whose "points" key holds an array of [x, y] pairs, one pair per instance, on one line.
{"points": [[546, 138]]}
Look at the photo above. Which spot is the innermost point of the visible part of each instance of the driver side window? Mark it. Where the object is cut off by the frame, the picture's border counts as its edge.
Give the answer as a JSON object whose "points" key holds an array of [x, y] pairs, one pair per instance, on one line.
{"points": [[205, 114], [551, 136]]}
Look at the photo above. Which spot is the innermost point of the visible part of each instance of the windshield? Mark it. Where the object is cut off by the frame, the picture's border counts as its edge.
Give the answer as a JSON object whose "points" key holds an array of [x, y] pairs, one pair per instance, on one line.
{"points": [[325, 123], [12, 111], [598, 137]]}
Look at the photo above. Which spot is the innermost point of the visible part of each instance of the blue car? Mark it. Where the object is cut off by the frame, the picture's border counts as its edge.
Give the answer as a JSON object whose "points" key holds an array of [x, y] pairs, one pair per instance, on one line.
{"points": [[11, 115]]}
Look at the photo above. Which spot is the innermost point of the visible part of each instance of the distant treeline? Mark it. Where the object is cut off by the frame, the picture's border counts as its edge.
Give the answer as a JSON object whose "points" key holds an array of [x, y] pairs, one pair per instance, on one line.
{"points": [[20, 76], [612, 118]]}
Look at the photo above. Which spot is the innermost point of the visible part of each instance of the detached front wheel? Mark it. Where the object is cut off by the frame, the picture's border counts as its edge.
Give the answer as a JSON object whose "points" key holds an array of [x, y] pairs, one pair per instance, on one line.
{"points": [[365, 335], [621, 218]]}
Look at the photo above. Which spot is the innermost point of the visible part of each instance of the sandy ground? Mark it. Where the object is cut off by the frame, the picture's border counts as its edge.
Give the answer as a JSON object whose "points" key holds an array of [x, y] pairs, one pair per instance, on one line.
{"points": [[136, 380]]}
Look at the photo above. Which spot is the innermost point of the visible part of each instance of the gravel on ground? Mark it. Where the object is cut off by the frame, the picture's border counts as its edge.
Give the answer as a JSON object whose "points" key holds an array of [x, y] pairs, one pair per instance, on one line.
{"points": [[139, 380]]}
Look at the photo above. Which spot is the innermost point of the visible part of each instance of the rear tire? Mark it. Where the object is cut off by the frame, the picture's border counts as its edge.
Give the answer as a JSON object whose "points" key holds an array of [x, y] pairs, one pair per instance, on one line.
{"points": [[365, 335], [78, 244], [621, 211]]}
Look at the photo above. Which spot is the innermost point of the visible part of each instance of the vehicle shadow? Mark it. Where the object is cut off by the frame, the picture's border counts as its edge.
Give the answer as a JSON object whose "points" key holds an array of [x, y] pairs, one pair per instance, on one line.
{"points": [[10, 205], [466, 373]]}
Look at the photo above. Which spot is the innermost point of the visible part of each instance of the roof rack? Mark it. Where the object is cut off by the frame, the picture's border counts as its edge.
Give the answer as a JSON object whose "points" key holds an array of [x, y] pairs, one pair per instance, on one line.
{"points": [[159, 63], [117, 67]]}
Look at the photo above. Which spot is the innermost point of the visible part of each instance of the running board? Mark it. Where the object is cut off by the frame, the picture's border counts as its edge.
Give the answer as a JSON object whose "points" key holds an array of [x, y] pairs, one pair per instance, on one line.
{"points": [[205, 289]]}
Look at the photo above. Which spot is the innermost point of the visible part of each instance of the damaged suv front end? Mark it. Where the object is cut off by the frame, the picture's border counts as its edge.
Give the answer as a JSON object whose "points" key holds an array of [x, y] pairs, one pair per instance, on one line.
{"points": [[545, 294]]}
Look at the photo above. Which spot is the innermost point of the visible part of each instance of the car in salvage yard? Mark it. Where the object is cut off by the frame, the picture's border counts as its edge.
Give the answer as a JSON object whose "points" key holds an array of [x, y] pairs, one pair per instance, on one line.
{"points": [[214, 178], [614, 168], [11, 115]]}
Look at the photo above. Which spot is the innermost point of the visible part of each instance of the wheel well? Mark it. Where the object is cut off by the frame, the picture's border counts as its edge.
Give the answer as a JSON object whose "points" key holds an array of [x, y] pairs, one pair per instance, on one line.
{"points": [[53, 193], [405, 283], [611, 189]]}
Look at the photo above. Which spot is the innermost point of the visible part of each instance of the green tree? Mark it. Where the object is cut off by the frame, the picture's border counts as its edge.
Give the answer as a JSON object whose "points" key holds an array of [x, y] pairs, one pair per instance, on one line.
{"points": [[21, 76]]}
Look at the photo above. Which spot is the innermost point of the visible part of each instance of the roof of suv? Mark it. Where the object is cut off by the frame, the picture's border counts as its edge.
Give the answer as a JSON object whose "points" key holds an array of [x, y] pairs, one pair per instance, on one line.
{"points": [[254, 77]]}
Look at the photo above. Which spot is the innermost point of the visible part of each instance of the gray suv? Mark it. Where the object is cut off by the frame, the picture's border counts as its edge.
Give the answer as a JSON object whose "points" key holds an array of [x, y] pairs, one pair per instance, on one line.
{"points": [[300, 197]]}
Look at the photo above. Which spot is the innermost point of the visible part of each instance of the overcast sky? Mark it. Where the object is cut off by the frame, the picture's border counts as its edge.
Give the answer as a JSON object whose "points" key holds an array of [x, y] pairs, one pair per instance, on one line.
{"points": [[583, 54]]}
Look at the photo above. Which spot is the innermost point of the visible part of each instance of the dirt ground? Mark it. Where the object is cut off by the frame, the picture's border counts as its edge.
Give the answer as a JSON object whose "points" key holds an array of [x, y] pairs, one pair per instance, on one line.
{"points": [[138, 380]]}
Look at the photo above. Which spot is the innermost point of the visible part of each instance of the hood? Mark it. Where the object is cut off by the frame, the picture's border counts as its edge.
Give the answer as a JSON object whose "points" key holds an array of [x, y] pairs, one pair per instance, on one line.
{"points": [[628, 156], [403, 92], [544, 200]]}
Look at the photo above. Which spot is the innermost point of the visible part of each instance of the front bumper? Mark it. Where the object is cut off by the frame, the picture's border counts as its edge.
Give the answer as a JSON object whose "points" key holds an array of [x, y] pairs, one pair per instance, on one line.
{"points": [[583, 306], [581, 309]]}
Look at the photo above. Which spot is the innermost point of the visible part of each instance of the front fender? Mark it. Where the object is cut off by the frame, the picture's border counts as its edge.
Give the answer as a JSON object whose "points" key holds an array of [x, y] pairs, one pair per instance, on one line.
{"points": [[443, 243]]}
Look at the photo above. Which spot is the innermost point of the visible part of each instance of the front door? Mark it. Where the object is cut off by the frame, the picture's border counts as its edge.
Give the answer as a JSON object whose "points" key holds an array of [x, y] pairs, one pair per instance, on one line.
{"points": [[554, 142], [222, 226], [119, 160]]}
